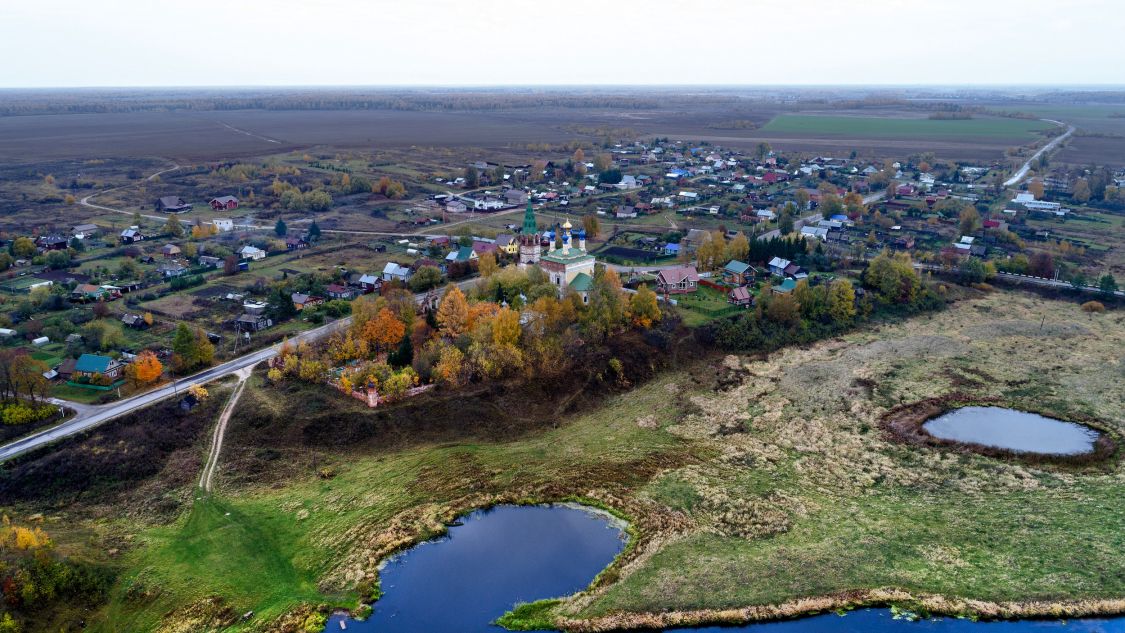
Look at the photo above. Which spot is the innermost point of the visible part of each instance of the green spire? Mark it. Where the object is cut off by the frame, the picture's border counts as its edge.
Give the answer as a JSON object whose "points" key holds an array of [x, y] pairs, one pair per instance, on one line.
{"points": [[529, 226]]}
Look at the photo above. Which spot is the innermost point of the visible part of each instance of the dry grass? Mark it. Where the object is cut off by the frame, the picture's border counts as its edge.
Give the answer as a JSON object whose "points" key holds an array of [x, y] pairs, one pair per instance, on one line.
{"points": [[807, 496]]}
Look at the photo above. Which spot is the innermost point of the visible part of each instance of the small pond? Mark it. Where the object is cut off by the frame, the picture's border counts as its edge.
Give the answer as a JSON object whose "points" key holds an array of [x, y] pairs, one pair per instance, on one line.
{"points": [[1013, 430], [489, 561]]}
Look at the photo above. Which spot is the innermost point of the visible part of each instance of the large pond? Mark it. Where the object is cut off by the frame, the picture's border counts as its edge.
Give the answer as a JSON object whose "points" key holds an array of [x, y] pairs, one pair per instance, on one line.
{"points": [[1013, 430], [488, 562], [493, 559]]}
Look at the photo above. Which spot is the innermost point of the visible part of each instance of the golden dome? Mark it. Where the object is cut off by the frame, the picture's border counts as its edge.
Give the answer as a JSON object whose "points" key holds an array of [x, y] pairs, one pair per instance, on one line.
{"points": [[567, 225]]}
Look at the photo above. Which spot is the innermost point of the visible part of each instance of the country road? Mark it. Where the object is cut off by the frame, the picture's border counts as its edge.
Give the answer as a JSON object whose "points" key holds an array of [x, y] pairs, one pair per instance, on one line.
{"points": [[1022, 173], [86, 200]]}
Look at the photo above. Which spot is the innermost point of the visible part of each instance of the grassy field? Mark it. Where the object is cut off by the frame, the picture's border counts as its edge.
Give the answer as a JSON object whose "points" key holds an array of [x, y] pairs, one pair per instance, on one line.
{"points": [[810, 498], [775, 485], [1016, 130]]}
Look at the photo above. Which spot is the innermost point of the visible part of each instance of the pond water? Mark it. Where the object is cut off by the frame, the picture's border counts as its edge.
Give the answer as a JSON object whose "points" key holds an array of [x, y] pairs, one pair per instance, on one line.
{"points": [[495, 558], [1013, 430], [486, 564], [883, 621]]}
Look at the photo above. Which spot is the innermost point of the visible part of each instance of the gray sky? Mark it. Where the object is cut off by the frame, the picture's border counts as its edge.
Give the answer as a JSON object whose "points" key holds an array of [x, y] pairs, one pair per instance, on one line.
{"points": [[475, 42]]}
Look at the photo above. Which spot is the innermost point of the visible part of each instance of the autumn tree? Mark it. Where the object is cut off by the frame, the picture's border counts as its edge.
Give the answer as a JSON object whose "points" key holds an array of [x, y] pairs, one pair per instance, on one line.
{"points": [[893, 278], [841, 301], [450, 368], [1041, 264], [453, 313], [173, 226], [145, 368], [1092, 307], [1035, 188], [602, 162], [783, 309], [643, 309], [1081, 191], [970, 220], [23, 248], [506, 327], [802, 196], [591, 225], [384, 331], [712, 252], [739, 247], [486, 264]]}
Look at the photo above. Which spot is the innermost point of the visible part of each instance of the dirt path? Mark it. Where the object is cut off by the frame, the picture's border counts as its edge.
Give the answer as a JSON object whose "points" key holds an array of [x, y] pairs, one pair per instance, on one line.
{"points": [[86, 201], [220, 430]]}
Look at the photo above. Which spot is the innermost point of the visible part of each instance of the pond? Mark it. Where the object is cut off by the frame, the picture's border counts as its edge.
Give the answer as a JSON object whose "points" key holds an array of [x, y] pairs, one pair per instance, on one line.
{"points": [[489, 561], [1013, 430], [492, 559]]}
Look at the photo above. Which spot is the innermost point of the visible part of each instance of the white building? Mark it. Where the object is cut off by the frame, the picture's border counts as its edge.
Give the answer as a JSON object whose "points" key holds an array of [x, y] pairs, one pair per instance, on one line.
{"points": [[223, 224], [252, 253]]}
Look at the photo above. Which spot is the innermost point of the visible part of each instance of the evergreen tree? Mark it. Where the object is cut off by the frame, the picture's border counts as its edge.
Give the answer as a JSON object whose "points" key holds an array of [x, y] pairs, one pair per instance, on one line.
{"points": [[280, 228]]}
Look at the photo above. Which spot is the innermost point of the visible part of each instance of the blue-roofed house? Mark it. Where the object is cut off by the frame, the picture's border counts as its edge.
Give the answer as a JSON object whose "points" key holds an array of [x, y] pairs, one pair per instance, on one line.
{"points": [[672, 249]]}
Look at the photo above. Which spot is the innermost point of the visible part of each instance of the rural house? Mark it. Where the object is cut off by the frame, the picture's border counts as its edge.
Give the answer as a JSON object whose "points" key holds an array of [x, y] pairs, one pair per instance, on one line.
{"points": [[737, 273], [223, 224], [83, 231], [251, 253], [516, 197], [171, 204], [52, 242], [339, 291], [371, 283], [91, 365], [302, 301], [170, 251], [131, 234], [679, 280], [777, 266], [224, 202], [740, 296], [252, 322], [394, 272]]}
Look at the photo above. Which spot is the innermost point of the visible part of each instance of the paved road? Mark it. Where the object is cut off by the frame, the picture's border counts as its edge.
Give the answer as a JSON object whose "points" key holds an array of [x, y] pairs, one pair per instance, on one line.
{"points": [[1022, 173], [89, 416]]}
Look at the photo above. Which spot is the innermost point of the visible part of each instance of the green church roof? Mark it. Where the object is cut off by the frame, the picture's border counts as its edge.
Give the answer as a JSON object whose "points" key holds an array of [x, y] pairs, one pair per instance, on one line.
{"points": [[581, 283], [529, 225]]}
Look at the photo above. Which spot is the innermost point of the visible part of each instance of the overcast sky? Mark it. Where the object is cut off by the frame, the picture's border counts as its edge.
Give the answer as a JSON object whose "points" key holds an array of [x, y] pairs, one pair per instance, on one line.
{"points": [[476, 42]]}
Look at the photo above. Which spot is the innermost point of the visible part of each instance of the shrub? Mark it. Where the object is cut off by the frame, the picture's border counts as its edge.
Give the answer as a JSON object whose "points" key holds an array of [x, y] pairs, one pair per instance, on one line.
{"points": [[1093, 307]]}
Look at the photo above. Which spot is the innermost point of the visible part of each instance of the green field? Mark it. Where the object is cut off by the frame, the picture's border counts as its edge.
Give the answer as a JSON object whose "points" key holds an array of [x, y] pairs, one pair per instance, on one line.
{"points": [[994, 129]]}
